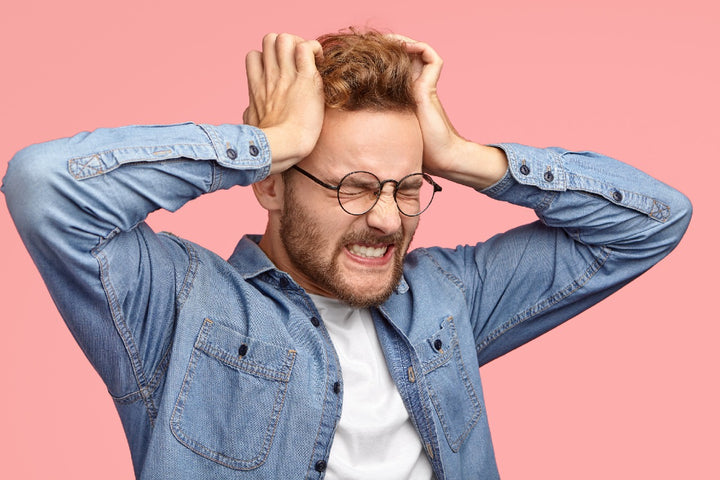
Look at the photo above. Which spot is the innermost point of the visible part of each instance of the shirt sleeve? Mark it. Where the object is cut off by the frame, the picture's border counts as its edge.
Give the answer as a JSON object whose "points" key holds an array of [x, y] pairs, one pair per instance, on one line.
{"points": [[601, 223], [80, 205]]}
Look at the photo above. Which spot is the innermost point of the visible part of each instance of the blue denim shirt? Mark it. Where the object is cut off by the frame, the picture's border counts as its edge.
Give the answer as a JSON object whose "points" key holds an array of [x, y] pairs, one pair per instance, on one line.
{"points": [[222, 369]]}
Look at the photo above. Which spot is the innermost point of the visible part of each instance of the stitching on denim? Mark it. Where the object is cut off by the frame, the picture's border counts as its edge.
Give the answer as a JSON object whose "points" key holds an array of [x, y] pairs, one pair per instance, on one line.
{"points": [[660, 211], [420, 382], [160, 370], [473, 394], [440, 360], [238, 464], [213, 137], [546, 201], [171, 147], [88, 166], [459, 367], [245, 365], [428, 418], [217, 177], [325, 402], [79, 169], [548, 302], [125, 334], [202, 450], [450, 276], [190, 273], [128, 398]]}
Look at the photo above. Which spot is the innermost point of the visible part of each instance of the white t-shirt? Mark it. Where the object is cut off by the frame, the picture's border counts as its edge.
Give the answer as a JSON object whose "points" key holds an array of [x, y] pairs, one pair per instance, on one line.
{"points": [[375, 437]]}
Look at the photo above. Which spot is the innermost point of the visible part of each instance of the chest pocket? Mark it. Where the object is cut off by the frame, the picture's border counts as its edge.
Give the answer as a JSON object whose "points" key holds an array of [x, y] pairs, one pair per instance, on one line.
{"points": [[450, 389], [231, 397]]}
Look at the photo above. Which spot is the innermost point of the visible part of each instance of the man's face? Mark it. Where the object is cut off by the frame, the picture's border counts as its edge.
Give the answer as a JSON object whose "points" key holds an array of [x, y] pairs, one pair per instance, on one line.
{"points": [[357, 259]]}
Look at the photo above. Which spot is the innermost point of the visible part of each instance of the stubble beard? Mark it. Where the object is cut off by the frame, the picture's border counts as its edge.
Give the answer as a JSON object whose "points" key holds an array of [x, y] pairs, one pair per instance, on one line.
{"points": [[302, 238]]}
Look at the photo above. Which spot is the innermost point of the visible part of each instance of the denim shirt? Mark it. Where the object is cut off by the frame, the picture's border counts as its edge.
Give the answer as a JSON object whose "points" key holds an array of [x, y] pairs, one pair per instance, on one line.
{"points": [[223, 369]]}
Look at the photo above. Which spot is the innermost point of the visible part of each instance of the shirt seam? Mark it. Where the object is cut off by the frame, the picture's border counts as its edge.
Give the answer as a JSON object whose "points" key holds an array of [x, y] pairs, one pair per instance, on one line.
{"points": [[124, 332], [547, 302]]}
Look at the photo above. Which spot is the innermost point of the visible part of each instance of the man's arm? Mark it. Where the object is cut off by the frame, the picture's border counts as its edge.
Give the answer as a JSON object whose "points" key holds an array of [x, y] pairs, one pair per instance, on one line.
{"points": [[601, 224], [80, 203]]}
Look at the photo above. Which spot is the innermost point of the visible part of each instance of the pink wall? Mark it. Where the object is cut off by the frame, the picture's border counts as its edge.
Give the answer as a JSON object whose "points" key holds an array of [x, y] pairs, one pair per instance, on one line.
{"points": [[627, 390]]}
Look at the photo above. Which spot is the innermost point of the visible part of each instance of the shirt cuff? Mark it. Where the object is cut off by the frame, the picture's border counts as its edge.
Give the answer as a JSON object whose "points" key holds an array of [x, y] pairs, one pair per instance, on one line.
{"points": [[240, 147], [532, 179]]}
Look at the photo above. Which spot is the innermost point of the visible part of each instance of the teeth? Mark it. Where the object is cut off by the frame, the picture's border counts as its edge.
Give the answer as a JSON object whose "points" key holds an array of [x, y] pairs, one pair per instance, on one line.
{"points": [[365, 251]]}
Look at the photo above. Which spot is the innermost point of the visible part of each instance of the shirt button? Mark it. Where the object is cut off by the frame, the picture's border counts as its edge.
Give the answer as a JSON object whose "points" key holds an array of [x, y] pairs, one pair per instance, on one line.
{"points": [[549, 177], [321, 465], [242, 351], [231, 153], [524, 169], [336, 387], [438, 344], [617, 196], [315, 321], [284, 283], [254, 150]]}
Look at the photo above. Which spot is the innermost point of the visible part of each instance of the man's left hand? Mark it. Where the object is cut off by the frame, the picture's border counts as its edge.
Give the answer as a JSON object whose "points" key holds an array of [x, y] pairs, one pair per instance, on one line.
{"points": [[445, 152]]}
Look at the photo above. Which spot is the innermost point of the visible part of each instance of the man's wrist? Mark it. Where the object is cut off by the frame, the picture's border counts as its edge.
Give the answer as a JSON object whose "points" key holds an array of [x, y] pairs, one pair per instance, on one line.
{"points": [[477, 166]]}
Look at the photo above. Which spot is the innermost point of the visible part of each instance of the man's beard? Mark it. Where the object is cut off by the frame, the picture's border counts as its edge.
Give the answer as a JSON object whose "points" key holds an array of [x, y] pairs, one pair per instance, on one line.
{"points": [[302, 238]]}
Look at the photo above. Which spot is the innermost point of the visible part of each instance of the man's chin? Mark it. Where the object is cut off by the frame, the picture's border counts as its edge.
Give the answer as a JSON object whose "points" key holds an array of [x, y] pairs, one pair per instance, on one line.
{"points": [[364, 300], [370, 293]]}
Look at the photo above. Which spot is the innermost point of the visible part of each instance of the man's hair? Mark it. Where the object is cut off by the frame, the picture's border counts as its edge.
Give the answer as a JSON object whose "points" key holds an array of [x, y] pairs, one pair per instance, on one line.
{"points": [[366, 71]]}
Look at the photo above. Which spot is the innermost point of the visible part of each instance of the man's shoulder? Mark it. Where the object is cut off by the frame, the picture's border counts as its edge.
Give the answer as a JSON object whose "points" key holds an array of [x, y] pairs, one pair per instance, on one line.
{"points": [[425, 265]]}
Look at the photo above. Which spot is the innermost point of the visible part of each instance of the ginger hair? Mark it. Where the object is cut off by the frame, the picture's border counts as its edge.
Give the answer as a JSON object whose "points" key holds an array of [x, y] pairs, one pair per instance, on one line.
{"points": [[366, 71]]}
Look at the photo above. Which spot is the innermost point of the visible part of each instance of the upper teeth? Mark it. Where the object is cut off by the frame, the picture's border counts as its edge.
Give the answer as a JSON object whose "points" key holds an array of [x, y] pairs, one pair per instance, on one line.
{"points": [[364, 251]]}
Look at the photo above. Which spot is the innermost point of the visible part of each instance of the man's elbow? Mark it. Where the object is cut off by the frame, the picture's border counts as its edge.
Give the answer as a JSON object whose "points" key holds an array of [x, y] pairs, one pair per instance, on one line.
{"points": [[679, 219], [32, 180]]}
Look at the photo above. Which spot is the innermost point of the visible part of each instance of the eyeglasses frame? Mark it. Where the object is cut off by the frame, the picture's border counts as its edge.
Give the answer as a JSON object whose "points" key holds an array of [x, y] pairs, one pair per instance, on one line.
{"points": [[336, 188]]}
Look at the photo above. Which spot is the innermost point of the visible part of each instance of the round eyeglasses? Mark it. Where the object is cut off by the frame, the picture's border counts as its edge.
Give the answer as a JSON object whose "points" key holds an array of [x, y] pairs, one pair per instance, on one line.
{"points": [[359, 191]]}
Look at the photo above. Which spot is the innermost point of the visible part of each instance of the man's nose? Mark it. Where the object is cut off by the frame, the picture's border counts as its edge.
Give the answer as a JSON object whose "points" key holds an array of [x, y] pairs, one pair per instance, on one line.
{"points": [[385, 216]]}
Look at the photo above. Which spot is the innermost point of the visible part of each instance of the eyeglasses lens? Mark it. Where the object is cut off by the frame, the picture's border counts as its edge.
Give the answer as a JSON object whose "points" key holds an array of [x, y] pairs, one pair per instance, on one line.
{"points": [[359, 192]]}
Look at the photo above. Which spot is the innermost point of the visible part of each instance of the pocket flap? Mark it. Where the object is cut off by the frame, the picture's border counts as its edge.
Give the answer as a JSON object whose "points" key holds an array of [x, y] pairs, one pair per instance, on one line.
{"points": [[244, 353]]}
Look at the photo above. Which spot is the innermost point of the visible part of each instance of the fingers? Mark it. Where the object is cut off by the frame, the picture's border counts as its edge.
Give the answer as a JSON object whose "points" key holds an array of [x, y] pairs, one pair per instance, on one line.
{"points": [[286, 98], [283, 57], [285, 46], [285, 54], [253, 66], [255, 85], [429, 73], [306, 54], [269, 59]]}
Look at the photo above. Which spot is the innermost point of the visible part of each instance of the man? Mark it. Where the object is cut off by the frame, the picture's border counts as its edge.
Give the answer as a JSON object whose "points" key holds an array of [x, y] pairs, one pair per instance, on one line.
{"points": [[322, 349]]}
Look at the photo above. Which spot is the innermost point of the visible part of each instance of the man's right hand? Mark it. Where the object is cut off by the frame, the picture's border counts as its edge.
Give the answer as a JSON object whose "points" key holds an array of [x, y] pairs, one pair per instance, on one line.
{"points": [[286, 96]]}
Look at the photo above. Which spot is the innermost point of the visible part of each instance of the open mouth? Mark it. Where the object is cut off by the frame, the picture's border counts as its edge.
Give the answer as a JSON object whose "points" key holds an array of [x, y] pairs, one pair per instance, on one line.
{"points": [[368, 251]]}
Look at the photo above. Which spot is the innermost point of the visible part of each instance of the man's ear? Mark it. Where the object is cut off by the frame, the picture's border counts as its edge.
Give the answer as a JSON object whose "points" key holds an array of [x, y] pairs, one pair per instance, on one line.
{"points": [[269, 192]]}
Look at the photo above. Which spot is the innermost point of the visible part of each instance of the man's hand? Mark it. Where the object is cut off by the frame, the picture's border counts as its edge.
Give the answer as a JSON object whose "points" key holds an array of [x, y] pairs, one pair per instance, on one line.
{"points": [[445, 152], [286, 96]]}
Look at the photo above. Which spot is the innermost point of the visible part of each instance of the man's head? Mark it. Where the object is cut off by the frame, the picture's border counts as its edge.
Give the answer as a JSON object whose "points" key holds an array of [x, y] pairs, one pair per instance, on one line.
{"points": [[366, 71], [369, 125]]}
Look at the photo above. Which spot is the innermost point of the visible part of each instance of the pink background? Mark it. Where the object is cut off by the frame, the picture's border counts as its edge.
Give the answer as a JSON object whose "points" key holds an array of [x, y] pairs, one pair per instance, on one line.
{"points": [[627, 390]]}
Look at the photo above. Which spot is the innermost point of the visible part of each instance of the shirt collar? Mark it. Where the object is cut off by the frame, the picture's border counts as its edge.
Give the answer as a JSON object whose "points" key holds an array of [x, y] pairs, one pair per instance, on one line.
{"points": [[249, 259]]}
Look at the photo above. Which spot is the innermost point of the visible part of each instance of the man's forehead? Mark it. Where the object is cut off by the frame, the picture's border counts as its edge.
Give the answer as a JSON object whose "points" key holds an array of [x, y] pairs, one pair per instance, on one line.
{"points": [[378, 141]]}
